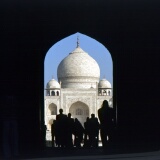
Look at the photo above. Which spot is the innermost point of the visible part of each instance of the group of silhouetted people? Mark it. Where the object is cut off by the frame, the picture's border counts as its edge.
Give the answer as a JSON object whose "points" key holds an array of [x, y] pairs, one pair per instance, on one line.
{"points": [[68, 132], [63, 129], [91, 136]]}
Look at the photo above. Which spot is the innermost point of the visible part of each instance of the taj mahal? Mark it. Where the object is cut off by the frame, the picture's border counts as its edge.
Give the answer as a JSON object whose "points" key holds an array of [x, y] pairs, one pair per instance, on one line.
{"points": [[79, 89]]}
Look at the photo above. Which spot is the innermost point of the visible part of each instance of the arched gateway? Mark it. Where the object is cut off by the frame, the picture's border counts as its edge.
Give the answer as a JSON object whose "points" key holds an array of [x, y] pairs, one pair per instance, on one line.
{"points": [[79, 87], [79, 110]]}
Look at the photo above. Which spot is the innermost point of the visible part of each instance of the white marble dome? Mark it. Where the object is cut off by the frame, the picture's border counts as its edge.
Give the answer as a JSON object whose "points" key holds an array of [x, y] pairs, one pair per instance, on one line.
{"points": [[104, 84], [78, 70], [52, 84]]}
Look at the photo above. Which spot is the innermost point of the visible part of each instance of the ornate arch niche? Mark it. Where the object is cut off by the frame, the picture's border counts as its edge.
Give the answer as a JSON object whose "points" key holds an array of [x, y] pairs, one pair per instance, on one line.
{"points": [[52, 109], [49, 124], [80, 111]]}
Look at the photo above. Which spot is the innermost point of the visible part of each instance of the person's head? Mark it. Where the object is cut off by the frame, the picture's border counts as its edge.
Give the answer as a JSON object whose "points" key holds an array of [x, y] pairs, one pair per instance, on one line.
{"points": [[69, 115], [92, 115], [61, 110], [76, 120], [87, 119], [105, 103]]}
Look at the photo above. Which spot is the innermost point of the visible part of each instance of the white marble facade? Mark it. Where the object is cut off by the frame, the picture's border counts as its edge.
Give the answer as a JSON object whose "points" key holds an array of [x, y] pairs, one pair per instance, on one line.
{"points": [[79, 90]]}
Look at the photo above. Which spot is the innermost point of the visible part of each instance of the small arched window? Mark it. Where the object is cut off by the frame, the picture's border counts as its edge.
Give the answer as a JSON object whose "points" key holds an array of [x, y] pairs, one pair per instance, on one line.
{"points": [[52, 109], [99, 92], [104, 92], [57, 93], [53, 93], [79, 111]]}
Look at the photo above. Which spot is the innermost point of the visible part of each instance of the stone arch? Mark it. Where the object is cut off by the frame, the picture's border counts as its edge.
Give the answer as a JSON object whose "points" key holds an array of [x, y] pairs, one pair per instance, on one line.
{"points": [[57, 93], [79, 110], [109, 92], [49, 124], [52, 109], [53, 93]]}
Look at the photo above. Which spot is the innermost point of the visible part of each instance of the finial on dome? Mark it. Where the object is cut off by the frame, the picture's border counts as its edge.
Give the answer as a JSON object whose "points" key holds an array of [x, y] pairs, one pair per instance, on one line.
{"points": [[77, 41]]}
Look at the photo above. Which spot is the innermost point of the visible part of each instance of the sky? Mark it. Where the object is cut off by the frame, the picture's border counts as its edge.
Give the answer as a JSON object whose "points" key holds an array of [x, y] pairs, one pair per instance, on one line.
{"points": [[62, 48]]}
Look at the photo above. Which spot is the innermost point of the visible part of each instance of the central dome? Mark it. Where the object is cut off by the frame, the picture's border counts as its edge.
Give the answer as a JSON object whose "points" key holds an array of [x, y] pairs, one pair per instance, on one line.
{"points": [[78, 70]]}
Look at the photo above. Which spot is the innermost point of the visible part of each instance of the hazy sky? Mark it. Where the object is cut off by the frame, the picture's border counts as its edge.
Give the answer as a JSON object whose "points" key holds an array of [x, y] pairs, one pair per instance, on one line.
{"points": [[61, 49]]}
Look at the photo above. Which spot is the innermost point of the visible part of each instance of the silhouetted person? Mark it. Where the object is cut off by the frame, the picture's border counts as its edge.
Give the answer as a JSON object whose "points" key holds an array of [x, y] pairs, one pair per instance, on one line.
{"points": [[78, 133], [10, 127], [86, 133], [70, 130], [54, 131], [62, 128], [93, 131], [106, 124]]}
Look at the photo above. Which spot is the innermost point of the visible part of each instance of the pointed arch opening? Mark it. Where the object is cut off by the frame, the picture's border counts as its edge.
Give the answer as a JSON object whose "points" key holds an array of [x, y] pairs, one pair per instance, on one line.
{"points": [[98, 91], [64, 47], [80, 111], [52, 109]]}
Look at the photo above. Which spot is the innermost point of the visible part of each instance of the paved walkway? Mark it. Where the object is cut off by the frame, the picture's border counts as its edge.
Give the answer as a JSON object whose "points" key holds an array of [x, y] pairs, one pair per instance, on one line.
{"points": [[133, 156], [113, 152]]}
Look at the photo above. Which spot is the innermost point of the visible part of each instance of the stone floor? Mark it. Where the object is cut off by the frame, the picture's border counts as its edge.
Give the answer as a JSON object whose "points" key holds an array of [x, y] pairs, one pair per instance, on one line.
{"points": [[88, 154], [122, 152], [133, 156]]}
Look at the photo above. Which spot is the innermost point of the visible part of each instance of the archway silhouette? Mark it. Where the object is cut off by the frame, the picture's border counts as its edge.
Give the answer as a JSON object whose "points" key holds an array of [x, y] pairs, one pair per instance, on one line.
{"points": [[30, 38], [95, 49]]}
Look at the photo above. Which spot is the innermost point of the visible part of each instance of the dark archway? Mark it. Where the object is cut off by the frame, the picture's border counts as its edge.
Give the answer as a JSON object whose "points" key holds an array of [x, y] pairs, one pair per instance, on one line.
{"points": [[129, 31], [95, 49]]}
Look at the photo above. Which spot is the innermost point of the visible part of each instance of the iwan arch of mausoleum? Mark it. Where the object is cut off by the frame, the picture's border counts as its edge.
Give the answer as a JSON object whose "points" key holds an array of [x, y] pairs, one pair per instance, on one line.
{"points": [[79, 89]]}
